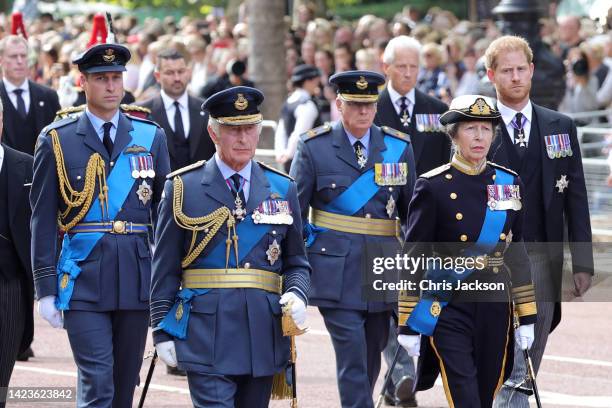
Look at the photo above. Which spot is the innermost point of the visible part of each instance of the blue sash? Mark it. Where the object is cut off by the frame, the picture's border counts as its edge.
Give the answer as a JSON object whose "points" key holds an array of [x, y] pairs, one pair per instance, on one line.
{"points": [[78, 248], [249, 234], [360, 192], [422, 320]]}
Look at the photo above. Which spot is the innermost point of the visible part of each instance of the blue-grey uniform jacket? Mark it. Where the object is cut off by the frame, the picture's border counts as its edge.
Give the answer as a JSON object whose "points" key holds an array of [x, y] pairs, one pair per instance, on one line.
{"points": [[324, 167], [117, 272], [231, 331]]}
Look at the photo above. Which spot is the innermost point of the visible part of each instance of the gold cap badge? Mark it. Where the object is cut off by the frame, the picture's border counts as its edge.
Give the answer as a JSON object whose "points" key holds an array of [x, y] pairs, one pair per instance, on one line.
{"points": [[480, 107], [362, 83], [109, 55], [241, 102]]}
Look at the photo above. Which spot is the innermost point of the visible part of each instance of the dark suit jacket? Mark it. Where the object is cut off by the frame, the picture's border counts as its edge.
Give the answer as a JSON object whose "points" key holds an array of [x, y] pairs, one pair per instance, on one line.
{"points": [[431, 149], [571, 204], [45, 102], [19, 166], [201, 146]]}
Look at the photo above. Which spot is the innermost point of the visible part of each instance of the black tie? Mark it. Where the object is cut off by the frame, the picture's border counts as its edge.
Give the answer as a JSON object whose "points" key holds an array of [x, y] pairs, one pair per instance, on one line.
{"points": [[21, 109], [238, 190], [404, 115], [519, 135], [108, 142], [179, 130], [360, 154]]}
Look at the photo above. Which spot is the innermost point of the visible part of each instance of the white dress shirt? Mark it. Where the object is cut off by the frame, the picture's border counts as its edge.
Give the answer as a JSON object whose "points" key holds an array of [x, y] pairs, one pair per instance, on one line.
{"points": [[396, 99], [508, 115], [183, 101], [98, 124], [25, 94], [228, 172]]}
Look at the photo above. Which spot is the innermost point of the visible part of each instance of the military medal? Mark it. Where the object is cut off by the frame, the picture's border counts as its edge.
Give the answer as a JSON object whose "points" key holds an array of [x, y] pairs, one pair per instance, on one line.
{"points": [[361, 157], [273, 212], [391, 174], [273, 252], [502, 197], [65, 280], [150, 171], [142, 165], [144, 192], [390, 206], [427, 122], [239, 212], [562, 183], [179, 311], [435, 308], [134, 167], [558, 146]]}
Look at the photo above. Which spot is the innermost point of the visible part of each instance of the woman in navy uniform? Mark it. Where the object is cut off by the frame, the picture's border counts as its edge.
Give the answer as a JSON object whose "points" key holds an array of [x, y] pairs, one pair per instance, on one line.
{"points": [[469, 211]]}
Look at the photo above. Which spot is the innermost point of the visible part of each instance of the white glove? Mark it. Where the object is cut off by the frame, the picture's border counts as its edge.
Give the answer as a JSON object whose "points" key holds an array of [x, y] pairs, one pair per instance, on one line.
{"points": [[48, 311], [298, 307], [167, 352], [411, 343], [526, 336]]}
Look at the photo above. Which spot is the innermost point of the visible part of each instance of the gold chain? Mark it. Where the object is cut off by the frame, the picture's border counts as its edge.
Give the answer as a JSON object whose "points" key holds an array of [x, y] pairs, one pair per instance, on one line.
{"points": [[209, 224], [72, 198]]}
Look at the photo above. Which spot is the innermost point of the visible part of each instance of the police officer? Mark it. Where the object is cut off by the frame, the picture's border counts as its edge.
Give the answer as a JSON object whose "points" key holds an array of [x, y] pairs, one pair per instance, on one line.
{"points": [[103, 173], [299, 113], [477, 205], [228, 230], [357, 178]]}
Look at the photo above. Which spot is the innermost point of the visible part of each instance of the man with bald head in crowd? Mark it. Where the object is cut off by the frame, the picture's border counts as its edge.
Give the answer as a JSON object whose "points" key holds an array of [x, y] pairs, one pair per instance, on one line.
{"points": [[569, 34]]}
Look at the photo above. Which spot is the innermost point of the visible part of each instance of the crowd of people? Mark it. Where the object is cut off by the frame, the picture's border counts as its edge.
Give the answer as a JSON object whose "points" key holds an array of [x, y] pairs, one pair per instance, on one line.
{"points": [[404, 99]]}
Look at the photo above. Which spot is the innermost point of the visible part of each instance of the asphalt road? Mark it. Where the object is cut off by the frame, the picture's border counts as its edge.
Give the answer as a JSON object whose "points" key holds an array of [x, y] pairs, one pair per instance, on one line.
{"points": [[576, 372]]}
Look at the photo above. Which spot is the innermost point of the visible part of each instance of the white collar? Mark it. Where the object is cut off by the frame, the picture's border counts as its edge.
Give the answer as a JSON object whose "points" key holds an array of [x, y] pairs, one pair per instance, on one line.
{"points": [[8, 85], [169, 102], [508, 114], [396, 95]]}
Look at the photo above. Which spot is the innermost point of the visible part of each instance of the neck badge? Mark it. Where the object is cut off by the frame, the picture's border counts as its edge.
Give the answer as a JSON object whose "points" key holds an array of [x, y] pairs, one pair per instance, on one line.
{"points": [[361, 157]]}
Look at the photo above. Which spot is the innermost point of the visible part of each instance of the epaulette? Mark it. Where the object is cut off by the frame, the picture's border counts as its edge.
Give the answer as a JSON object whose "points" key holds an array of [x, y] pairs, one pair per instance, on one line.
{"points": [[436, 171], [272, 169], [186, 169], [134, 108], [514, 173], [141, 119], [69, 111], [321, 130], [395, 133], [58, 123]]}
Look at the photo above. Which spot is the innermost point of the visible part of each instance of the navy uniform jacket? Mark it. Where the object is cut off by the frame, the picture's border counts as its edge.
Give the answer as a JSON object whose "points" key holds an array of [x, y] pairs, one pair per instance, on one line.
{"points": [[570, 205], [230, 331], [432, 148], [439, 196], [117, 273], [324, 167]]}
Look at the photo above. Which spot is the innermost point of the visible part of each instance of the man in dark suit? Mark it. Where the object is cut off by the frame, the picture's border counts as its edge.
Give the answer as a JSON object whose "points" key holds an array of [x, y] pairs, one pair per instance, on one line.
{"points": [[402, 106], [541, 146], [178, 113], [16, 288], [28, 106]]}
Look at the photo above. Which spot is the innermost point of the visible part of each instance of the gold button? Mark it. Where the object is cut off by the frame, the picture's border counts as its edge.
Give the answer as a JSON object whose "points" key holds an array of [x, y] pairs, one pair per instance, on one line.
{"points": [[453, 196], [498, 254], [448, 176], [502, 236], [463, 238], [78, 177], [247, 265], [493, 177], [322, 249], [459, 216], [333, 185], [495, 269], [368, 215]]}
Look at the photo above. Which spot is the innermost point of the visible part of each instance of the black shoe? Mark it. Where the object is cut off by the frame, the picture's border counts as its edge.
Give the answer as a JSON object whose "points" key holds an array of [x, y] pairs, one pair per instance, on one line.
{"points": [[389, 399], [25, 355], [175, 371], [404, 393]]}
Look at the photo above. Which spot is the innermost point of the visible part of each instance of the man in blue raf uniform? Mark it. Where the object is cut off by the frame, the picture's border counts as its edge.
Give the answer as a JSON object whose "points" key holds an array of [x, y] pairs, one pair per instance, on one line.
{"points": [[357, 178], [229, 244], [103, 173]]}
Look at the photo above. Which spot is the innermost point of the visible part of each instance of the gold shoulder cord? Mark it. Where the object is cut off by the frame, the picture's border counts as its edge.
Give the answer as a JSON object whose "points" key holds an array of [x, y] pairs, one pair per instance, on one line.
{"points": [[72, 198], [209, 224]]}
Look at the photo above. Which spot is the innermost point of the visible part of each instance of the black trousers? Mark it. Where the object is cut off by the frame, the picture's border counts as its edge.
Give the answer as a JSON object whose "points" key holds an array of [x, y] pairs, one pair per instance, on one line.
{"points": [[471, 343], [12, 324]]}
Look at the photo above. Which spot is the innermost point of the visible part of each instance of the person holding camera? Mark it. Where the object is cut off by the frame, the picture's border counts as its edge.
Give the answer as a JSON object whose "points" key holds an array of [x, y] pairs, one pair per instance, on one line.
{"points": [[581, 85]]}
